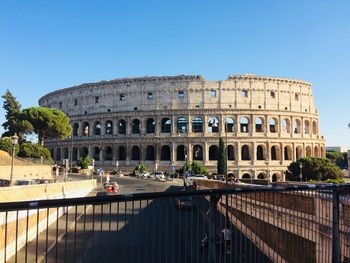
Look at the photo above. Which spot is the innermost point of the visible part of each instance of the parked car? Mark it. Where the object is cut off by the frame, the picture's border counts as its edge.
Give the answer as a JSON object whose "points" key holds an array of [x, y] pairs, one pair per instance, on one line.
{"points": [[147, 175], [4, 182], [25, 182], [189, 180], [159, 176]]}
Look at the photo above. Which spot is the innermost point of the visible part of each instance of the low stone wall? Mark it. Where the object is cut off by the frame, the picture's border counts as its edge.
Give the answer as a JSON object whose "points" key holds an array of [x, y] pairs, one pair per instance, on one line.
{"points": [[31, 222], [26, 172]]}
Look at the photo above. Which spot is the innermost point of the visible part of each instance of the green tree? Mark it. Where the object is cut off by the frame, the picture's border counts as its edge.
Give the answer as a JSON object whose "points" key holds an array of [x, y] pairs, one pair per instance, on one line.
{"points": [[318, 169], [6, 145], [340, 159], [46, 123], [12, 108], [141, 168], [84, 162], [31, 150], [194, 167], [222, 158]]}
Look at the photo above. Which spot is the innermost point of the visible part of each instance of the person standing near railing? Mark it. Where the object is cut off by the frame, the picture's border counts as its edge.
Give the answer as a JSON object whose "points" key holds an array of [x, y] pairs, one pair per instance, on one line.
{"points": [[227, 236]]}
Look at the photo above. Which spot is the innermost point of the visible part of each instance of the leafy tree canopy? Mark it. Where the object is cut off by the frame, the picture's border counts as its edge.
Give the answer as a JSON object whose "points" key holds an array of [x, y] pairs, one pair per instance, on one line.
{"points": [[340, 159], [30, 150], [46, 122], [141, 168], [6, 145], [194, 168], [12, 109], [222, 159], [319, 169], [84, 162]]}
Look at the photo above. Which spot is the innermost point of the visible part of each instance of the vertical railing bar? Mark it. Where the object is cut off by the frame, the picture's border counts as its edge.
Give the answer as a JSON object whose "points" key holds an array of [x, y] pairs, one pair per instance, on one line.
{"points": [[335, 225], [191, 229], [200, 235], [145, 232], [93, 233], [132, 227], [27, 226], [180, 224], [140, 228], [75, 232], [37, 236], [173, 234], [5, 247], [110, 225], [66, 236], [16, 245], [47, 233], [84, 231], [166, 201], [220, 224], [153, 227], [56, 240], [229, 205]]}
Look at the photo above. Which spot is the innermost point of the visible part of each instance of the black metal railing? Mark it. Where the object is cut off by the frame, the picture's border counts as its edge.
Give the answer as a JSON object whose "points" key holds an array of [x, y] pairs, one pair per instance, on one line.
{"points": [[265, 224]]}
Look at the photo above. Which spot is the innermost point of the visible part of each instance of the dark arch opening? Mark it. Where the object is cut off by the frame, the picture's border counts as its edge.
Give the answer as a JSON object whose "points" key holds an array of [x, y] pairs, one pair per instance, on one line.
{"points": [[165, 153], [150, 156], [213, 152], [135, 153], [197, 153]]}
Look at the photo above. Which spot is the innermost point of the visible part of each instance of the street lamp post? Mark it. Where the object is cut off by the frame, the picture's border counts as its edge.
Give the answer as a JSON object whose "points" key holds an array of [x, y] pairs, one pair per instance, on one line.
{"points": [[301, 172], [14, 141]]}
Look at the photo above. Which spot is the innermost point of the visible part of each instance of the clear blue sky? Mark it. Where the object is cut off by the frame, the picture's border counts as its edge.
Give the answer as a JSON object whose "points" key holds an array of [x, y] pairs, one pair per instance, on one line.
{"points": [[47, 45]]}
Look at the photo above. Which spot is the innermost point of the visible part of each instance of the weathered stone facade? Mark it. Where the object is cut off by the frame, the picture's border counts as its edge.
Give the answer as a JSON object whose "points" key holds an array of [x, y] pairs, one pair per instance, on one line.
{"points": [[267, 122]]}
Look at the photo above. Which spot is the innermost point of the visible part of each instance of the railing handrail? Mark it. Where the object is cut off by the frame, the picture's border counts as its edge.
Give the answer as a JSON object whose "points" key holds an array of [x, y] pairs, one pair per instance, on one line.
{"points": [[38, 204]]}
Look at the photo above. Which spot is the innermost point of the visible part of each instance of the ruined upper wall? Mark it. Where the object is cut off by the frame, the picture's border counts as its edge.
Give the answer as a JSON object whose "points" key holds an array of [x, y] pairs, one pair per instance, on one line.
{"points": [[240, 92]]}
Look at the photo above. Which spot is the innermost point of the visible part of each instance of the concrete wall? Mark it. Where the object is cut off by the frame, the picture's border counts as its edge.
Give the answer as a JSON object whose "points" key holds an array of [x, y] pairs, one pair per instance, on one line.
{"points": [[33, 221], [27, 172]]}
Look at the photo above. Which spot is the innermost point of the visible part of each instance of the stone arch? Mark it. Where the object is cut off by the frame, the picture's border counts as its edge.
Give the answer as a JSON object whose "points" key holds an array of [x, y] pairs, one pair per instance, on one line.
{"points": [[65, 153], [135, 126], [84, 152], [86, 129], [231, 175], [288, 152], [274, 178], [109, 127], [197, 153], [150, 125], [96, 153], [58, 154], [245, 153], [213, 152], [307, 127], [181, 153], [308, 151], [259, 124], [166, 125], [285, 125], [316, 154], [262, 176], [165, 153], [121, 127], [108, 153], [97, 128], [75, 129], [247, 176], [135, 153], [273, 125], [121, 153], [299, 152], [230, 152], [197, 125], [182, 125], [321, 152], [150, 153], [275, 153], [229, 124], [213, 125], [297, 126], [75, 154], [244, 124], [261, 152], [314, 127]]}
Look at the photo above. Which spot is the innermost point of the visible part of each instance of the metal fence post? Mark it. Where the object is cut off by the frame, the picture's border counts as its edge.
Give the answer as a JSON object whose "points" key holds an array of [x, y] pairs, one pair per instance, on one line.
{"points": [[214, 199], [335, 225]]}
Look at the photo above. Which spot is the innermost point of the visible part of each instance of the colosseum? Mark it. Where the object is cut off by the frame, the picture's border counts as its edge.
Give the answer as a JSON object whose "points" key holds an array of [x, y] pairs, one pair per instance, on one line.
{"points": [[266, 123]]}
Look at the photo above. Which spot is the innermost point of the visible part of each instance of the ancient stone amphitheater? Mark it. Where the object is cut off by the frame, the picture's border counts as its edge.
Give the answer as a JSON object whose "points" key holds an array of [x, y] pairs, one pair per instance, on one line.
{"points": [[163, 121]]}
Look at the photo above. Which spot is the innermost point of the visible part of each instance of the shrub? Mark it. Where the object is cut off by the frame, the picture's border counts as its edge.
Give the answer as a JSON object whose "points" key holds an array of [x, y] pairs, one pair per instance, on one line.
{"points": [[30, 150], [84, 162]]}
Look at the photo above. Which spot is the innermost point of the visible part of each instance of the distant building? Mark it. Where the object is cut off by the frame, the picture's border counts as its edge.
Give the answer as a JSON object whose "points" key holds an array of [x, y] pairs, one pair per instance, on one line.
{"points": [[337, 149]]}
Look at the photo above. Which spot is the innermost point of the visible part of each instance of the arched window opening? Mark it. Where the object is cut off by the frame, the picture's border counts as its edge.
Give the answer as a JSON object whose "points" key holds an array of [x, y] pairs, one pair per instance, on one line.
{"points": [[285, 125], [230, 152], [135, 153], [96, 153], [246, 176], [151, 126], [259, 125], [308, 151], [121, 127], [299, 152], [121, 153], [245, 155], [75, 154], [86, 129], [314, 127], [166, 125], [260, 153], [274, 178], [197, 153], [165, 153], [75, 129], [229, 125], [197, 125], [273, 153], [181, 125], [58, 154], [273, 126], [181, 152], [213, 125], [65, 153], [287, 153], [213, 153], [109, 153], [316, 152], [322, 152], [135, 126], [84, 152], [262, 176], [296, 126], [150, 156], [109, 127], [244, 122], [306, 127], [97, 128]]}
